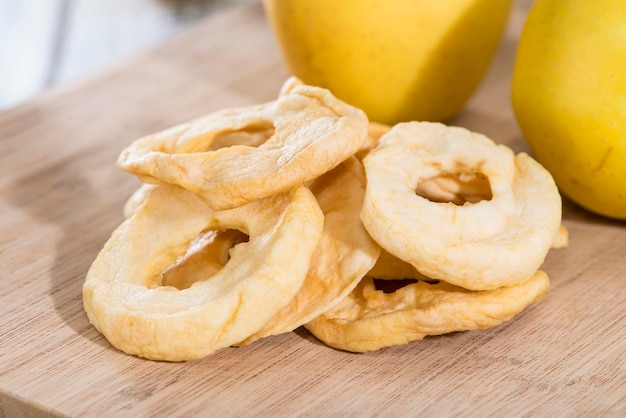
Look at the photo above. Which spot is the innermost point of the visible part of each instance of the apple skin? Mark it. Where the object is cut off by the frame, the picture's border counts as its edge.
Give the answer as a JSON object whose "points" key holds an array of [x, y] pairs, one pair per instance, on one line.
{"points": [[397, 60], [569, 98]]}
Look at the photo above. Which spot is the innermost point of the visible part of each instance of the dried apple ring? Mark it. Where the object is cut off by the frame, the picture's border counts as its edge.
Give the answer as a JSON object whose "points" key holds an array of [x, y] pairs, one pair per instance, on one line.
{"points": [[124, 296], [344, 254], [500, 241], [370, 319], [307, 133]]}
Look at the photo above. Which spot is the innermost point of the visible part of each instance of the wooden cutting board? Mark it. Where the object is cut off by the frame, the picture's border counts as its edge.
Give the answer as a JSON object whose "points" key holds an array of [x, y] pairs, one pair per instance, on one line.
{"points": [[61, 195]]}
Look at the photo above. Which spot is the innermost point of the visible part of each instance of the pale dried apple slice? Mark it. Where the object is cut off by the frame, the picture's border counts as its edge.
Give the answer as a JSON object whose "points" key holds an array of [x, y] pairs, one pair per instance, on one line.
{"points": [[493, 242], [125, 297], [370, 319], [297, 137], [343, 256]]}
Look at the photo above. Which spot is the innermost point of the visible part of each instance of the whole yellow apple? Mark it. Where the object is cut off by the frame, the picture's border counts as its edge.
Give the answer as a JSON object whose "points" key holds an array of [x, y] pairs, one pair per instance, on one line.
{"points": [[398, 60], [569, 97]]}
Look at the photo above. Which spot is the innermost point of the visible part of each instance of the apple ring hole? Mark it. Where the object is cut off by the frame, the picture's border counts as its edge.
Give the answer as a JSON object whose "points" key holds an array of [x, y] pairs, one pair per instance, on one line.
{"points": [[206, 255], [457, 188], [252, 135]]}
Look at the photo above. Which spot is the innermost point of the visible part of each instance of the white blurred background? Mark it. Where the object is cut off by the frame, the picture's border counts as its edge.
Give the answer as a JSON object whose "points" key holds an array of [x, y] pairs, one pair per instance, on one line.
{"points": [[47, 42]]}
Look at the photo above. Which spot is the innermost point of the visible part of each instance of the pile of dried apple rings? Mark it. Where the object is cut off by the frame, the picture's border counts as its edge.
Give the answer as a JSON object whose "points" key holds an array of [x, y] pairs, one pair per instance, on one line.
{"points": [[254, 221]]}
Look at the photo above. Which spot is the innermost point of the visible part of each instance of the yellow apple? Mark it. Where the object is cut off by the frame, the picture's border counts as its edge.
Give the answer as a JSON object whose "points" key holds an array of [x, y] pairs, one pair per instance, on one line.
{"points": [[569, 97], [398, 60]]}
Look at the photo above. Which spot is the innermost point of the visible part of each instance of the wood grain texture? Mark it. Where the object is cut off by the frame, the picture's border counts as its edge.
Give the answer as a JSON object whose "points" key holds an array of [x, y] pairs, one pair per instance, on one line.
{"points": [[61, 195]]}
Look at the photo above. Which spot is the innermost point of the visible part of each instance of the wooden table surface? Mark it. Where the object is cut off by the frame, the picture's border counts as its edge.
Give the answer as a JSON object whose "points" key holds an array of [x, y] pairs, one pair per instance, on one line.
{"points": [[61, 195]]}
